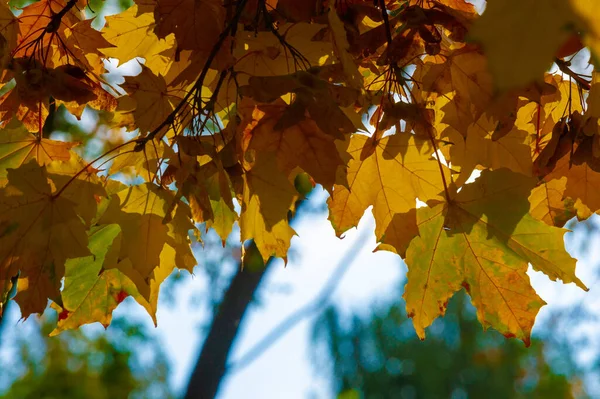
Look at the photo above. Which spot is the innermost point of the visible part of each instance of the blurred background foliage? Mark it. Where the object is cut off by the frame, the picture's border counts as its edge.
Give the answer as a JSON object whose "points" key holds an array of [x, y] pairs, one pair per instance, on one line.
{"points": [[123, 361], [380, 356]]}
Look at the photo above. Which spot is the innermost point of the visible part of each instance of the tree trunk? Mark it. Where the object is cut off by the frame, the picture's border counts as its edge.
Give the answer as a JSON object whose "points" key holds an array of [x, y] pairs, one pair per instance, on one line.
{"points": [[212, 362]]}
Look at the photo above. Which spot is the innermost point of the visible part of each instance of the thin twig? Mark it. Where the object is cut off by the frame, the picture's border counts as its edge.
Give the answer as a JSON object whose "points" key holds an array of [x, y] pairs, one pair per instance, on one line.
{"points": [[564, 67]]}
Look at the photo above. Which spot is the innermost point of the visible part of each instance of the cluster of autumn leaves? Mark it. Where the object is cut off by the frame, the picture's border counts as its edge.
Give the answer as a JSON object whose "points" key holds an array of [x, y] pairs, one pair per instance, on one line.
{"points": [[386, 104]]}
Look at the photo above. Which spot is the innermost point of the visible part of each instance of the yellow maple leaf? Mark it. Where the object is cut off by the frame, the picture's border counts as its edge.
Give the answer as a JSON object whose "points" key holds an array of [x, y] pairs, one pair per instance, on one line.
{"points": [[175, 253], [389, 174], [480, 150], [262, 54], [399, 233], [132, 36], [546, 118], [267, 196], [520, 48], [141, 212], [576, 161], [79, 183], [209, 193], [18, 146], [548, 203], [145, 164], [462, 72], [483, 240], [340, 41], [154, 102]]}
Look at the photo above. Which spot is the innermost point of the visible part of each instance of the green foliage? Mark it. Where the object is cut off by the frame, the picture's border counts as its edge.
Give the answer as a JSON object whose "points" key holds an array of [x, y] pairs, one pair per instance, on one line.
{"points": [[379, 357], [124, 362]]}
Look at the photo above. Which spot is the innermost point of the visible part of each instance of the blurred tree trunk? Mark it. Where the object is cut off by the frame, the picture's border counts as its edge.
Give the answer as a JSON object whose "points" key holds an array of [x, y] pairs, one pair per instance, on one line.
{"points": [[212, 362], [211, 365]]}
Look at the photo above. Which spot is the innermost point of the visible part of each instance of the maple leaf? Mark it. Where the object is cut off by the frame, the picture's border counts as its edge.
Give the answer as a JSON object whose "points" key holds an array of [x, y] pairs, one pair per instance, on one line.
{"points": [[153, 100], [320, 99], [88, 39], [520, 48], [511, 151], [576, 162], [208, 190], [302, 144], [35, 38], [127, 28], [399, 233], [84, 44], [78, 182], [93, 287], [175, 253], [267, 196], [140, 211], [9, 30], [483, 240], [545, 119], [462, 72], [389, 174], [145, 165], [18, 146], [342, 46], [37, 223], [36, 84], [549, 205], [196, 24], [263, 54]]}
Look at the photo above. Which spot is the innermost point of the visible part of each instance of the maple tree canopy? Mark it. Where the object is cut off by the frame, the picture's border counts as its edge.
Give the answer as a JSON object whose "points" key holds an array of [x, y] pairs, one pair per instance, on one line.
{"points": [[386, 104]]}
